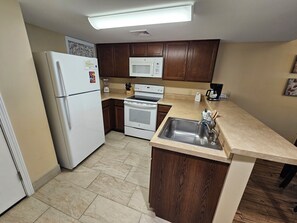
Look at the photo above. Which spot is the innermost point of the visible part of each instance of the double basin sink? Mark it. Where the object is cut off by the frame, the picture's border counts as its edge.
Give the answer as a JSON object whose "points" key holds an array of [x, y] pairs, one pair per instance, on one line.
{"points": [[189, 131]]}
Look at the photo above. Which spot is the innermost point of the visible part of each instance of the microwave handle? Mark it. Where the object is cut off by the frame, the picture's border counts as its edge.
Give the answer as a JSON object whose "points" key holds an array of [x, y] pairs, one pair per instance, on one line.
{"points": [[137, 105]]}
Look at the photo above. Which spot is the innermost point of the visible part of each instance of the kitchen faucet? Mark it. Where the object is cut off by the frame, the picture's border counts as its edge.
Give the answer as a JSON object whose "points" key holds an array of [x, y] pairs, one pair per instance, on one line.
{"points": [[210, 124]]}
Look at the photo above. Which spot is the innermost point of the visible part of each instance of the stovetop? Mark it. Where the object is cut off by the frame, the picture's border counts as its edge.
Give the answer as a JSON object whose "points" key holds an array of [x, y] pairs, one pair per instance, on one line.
{"points": [[144, 98]]}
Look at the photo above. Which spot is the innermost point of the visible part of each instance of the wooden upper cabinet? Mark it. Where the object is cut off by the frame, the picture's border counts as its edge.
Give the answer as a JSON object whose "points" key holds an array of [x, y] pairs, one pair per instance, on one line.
{"points": [[175, 60], [146, 49], [113, 60], [201, 60], [105, 60], [121, 60], [183, 60], [155, 49], [138, 49]]}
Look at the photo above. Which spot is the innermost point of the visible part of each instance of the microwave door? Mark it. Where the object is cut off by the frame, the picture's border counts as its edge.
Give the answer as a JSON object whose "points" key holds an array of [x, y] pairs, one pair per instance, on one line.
{"points": [[141, 69]]}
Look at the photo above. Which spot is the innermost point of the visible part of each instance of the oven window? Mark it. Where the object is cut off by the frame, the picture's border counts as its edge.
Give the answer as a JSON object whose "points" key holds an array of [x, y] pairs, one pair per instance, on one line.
{"points": [[141, 69], [140, 116]]}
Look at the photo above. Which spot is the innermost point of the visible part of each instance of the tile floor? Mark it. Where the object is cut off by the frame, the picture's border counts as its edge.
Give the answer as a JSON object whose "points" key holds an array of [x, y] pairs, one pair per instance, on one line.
{"points": [[109, 186]]}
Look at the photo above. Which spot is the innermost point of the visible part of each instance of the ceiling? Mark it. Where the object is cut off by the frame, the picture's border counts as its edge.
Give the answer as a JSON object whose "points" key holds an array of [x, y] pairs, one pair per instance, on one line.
{"points": [[229, 20]]}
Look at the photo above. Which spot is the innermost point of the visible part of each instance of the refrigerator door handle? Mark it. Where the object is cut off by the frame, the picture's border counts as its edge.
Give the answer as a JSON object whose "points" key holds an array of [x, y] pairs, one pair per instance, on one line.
{"points": [[61, 79], [67, 112]]}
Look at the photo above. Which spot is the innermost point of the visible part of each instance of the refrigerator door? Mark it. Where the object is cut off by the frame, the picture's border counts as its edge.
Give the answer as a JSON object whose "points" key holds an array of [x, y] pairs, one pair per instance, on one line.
{"points": [[82, 124], [72, 74]]}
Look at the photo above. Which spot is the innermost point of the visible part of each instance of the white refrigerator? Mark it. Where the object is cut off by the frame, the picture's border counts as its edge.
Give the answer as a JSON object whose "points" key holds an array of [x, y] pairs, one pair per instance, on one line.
{"points": [[70, 88]]}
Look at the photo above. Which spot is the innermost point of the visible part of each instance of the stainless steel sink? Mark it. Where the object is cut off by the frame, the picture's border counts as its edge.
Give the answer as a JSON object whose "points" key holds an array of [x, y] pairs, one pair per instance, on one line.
{"points": [[188, 131]]}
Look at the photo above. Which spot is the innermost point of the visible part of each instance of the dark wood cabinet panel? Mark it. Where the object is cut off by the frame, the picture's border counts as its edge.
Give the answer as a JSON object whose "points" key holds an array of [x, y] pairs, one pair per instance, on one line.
{"points": [[183, 60], [121, 60], [119, 115], [119, 118], [160, 118], [146, 49], [106, 119], [201, 60], [108, 115], [105, 60], [162, 112], [155, 49], [185, 188], [175, 60], [119, 103], [113, 60], [138, 49]]}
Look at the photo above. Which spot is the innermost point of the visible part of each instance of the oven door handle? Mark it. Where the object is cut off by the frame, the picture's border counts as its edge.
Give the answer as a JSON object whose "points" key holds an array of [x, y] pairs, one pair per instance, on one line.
{"points": [[137, 105]]}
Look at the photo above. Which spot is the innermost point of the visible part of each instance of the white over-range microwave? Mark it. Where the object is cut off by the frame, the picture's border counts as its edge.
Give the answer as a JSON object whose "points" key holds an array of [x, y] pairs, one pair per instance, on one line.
{"points": [[146, 67]]}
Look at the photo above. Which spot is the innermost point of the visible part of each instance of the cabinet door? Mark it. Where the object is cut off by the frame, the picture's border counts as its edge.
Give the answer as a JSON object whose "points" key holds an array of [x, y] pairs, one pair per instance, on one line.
{"points": [[155, 49], [175, 60], [119, 115], [185, 188], [105, 60], [138, 49], [108, 115], [106, 119], [162, 112], [121, 60], [119, 118], [201, 60], [160, 118]]}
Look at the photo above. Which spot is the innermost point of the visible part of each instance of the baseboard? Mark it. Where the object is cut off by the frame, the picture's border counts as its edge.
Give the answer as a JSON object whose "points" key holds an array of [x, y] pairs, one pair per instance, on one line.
{"points": [[46, 178]]}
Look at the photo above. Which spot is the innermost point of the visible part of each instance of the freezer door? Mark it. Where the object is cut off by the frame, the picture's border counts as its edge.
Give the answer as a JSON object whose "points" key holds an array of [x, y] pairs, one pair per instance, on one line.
{"points": [[72, 74], [82, 123]]}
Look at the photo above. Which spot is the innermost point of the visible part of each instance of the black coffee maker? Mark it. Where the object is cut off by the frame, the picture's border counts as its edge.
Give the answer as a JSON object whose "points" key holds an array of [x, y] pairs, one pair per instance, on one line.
{"points": [[215, 92]]}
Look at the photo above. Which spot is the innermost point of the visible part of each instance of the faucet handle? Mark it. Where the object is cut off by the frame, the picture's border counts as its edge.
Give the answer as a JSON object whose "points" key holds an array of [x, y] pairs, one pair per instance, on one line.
{"points": [[206, 115]]}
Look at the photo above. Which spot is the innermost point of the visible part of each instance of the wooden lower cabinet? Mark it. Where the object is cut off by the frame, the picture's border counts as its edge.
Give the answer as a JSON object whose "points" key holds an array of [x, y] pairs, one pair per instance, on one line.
{"points": [[119, 118], [108, 114], [185, 188], [113, 115], [106, 119], [162, 112]]}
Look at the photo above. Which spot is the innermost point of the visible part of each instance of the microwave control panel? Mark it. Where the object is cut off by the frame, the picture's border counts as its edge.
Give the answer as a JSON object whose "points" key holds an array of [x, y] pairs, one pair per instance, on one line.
{"points": [[158, 67]]}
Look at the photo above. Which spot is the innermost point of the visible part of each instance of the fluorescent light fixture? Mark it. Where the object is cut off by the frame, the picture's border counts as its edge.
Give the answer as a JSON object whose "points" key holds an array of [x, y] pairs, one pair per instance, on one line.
{"points": [[146, 17]]}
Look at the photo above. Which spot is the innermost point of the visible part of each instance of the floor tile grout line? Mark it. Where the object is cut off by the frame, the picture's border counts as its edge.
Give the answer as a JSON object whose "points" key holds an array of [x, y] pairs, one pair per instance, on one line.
{"points": [[59, 211], [62, 210], [129, 153], [120, 180], [80, 185], [88, 207], [111, 201], [42, 212]]}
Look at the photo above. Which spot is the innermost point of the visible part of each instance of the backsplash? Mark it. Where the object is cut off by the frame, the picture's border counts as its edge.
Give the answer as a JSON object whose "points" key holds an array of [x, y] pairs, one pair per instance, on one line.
{"points": [[117, 85]]}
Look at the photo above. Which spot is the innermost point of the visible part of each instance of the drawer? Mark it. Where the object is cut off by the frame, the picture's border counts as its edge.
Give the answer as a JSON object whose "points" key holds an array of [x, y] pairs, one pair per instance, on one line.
{"points": [[164, 108]]}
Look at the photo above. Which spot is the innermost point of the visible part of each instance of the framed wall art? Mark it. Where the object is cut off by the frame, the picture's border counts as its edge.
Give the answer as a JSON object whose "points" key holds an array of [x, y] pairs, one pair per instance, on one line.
{"points": [[291, 87], [79, 47]]}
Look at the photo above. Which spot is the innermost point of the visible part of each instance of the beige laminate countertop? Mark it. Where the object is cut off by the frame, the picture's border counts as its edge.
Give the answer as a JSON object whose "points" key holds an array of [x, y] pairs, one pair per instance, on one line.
{"points": [[120, 96], [248, 136], [240, 133]]}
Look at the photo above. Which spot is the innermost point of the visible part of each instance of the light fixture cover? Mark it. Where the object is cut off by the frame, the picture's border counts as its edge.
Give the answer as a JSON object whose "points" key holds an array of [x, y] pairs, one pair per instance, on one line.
{"points": [[146, 17]]}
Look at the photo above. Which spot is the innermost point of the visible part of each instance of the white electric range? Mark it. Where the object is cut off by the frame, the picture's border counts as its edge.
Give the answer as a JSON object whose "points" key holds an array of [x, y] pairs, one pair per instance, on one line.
{"points": [[141, 111]]}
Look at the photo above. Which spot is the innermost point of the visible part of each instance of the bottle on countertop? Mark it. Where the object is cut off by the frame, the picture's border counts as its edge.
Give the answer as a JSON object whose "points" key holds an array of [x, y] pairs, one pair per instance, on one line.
{"points": [[198, 96]]}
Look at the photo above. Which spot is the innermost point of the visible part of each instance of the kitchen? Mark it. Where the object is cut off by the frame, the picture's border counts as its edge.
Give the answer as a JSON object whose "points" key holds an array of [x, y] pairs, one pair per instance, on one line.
{"points": [[253, 72]]}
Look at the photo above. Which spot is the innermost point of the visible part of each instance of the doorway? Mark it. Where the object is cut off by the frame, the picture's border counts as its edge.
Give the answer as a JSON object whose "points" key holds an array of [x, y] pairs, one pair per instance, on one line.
{"points": [[15, 182]]}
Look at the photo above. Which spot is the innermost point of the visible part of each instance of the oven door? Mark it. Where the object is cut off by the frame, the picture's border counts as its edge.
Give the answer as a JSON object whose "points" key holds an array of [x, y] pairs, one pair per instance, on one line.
{"points": [[140, 115]]}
